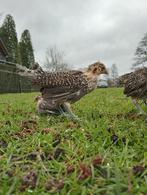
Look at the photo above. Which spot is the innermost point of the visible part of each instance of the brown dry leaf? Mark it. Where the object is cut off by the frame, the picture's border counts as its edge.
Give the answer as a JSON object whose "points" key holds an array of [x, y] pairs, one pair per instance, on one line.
{"points": [[97, 161], [54, 185], [29, 124], [29, 181], [47, 130], [138, 169], [24, 133], [85, 172], [70, 168], [72, 125]]}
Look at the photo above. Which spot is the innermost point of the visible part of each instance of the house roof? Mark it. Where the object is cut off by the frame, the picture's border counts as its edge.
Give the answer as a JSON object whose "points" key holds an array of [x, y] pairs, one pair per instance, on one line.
{"points": [[3, 48]]}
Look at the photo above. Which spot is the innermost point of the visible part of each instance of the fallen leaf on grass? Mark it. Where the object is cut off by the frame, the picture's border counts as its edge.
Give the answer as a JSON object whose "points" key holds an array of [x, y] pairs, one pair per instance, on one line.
{"points": [[29, 181], [72, 125], [97, 161], [85, 172], [47, 130], [28, 124], [70, 168], [55, 185], [24, 133], [138, 170], [28, 128]]}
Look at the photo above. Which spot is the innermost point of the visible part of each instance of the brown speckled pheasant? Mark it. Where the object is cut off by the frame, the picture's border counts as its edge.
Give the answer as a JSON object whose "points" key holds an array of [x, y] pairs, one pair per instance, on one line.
{"points": [[59, 89], [135, 86]]}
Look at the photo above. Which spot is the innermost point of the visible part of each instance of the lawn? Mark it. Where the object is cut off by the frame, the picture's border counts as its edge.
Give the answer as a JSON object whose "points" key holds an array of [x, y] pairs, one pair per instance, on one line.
{"points": [[104, 153]]}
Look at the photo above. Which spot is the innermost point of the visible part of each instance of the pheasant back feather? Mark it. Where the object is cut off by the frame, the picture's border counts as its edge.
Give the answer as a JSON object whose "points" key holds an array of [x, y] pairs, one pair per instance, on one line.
{"points": [[136, 84]]}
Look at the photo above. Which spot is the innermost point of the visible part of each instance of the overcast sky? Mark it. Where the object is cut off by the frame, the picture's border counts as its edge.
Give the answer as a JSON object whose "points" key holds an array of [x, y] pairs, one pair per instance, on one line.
{"points": [[87, 30]]}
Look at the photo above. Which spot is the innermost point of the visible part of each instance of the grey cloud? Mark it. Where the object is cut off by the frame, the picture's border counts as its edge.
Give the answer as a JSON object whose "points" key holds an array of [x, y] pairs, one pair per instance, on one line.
{"points": [[86, 30]]}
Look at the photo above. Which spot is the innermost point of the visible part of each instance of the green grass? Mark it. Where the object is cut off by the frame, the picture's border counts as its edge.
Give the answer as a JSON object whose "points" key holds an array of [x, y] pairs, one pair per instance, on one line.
{"points": [[104, 153]]}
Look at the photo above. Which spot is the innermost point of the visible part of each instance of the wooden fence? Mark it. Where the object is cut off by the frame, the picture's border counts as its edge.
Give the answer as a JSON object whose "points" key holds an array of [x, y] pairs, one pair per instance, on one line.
{"points": [[10, 81]]}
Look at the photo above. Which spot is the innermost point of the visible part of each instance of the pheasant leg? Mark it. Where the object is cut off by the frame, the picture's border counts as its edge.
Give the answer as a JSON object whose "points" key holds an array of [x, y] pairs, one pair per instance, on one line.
{"points": [[65, 109], [140, 110]]}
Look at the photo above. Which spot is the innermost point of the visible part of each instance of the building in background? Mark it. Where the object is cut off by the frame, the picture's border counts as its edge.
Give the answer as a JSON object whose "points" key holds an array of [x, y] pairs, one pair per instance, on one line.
{"points": [[103, 80]]}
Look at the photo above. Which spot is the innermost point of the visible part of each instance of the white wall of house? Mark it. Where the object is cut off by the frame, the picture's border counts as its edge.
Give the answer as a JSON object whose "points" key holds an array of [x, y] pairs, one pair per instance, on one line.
{"points": [[103, 80]]}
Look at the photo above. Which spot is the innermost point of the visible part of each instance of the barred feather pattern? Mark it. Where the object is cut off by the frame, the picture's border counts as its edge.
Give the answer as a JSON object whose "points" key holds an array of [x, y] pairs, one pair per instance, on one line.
{"points": [[123, 79], [64, 86], [59, 87], [70, 80], [136, 84]]}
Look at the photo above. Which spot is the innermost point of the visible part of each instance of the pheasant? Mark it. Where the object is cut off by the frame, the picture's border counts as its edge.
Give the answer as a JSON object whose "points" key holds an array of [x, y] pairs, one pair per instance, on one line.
{"points": [[135, 86], [60, 89]]}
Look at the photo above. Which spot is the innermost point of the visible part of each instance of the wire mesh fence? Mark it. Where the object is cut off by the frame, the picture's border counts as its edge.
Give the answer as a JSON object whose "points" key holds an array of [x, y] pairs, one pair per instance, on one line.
{"points": [[11, 82]]}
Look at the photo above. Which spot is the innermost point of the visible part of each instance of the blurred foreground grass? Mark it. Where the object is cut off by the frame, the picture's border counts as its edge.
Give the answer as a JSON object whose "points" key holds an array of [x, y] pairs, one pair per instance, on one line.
{"points": [[104, 153]]}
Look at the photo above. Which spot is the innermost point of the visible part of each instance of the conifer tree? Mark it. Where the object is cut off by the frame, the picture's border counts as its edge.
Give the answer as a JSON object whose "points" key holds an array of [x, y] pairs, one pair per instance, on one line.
{"points": [[26, 49], [9, 36], [141, 52]]}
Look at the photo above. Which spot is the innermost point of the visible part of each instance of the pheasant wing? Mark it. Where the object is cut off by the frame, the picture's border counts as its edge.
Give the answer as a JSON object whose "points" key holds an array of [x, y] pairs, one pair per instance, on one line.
{"points": [[136, 85], [61, 86]]}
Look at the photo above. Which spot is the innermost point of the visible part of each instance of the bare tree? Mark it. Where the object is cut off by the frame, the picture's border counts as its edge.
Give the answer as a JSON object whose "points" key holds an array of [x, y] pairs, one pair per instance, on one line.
{"points": [[55, 60], [114, 74]]}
